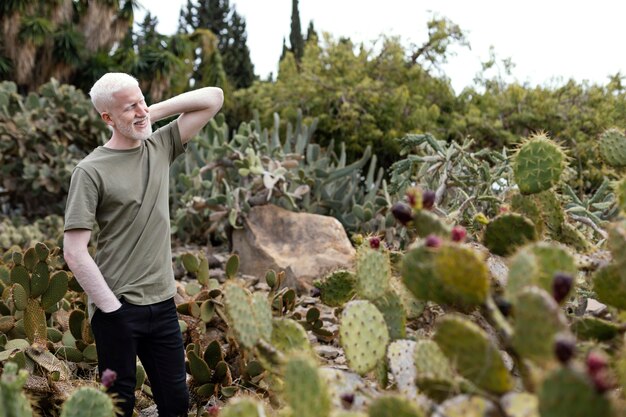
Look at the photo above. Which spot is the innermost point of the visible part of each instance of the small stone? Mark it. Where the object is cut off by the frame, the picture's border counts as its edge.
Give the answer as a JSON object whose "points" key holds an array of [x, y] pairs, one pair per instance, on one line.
{"points": [[327, 352]]}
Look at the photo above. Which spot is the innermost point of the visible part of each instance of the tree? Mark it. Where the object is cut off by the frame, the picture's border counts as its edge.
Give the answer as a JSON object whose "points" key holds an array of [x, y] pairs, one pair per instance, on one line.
{"points": [[311, 34], [295, 36], [230, 28]]}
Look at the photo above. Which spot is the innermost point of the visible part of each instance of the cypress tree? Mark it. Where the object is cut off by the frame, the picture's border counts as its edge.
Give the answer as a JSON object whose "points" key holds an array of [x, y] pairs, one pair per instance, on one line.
{"points": [[295, 37], [311, 33], [237, 62]]}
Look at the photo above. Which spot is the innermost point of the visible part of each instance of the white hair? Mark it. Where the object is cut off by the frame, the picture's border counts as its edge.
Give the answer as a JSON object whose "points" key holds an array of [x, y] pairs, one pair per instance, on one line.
{"points": [[110, 83]]}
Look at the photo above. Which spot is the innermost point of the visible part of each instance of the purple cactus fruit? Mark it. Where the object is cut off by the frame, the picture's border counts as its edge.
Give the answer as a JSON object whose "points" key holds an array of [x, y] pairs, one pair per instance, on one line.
{"points": [[108, 378], [458, 234], [564, 348], [433, 241], [561, 286], [602, 381], [347, 399], [402, 212], [428, 199], [374, 242]]}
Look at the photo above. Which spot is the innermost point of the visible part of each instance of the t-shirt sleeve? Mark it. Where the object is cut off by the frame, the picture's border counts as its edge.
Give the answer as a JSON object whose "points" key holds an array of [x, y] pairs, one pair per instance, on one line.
{"points": [[169, 137], [82, 202]]}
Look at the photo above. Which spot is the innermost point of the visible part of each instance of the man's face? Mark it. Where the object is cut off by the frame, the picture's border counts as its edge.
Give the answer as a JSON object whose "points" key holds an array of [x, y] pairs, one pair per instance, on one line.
{"points": [[129, 114]]}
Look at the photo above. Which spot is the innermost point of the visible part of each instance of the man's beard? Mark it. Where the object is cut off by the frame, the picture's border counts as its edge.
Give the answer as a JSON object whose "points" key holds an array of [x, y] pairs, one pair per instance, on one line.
{"points": [[129, 131]]}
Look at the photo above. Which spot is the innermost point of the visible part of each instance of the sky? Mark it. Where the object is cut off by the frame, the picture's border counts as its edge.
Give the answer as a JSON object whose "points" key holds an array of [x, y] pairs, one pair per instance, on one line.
{"points": [[549, 41]]}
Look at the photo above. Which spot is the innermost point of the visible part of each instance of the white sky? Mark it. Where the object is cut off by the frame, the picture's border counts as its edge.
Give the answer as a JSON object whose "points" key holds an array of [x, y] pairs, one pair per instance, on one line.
{"points": [[549, 41]]}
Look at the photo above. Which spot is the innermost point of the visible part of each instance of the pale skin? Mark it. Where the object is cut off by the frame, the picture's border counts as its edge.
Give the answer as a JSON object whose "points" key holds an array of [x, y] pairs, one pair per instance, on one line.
{"points": [[130, 119]]}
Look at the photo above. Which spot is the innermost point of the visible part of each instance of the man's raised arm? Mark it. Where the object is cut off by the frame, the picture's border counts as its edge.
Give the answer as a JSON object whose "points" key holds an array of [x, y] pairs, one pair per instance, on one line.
{"points": [[195, 107]]}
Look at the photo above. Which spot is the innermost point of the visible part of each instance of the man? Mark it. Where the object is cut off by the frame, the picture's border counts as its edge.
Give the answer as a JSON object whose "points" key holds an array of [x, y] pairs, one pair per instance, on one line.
{"points": [[123, 186]]}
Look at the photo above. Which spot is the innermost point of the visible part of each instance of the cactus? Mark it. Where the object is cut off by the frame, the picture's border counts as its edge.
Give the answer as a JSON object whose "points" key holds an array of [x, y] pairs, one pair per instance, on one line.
{"points": [[373, 270], [305, 391], [363, 335], [243, 407], [504, 234], [428, 223], [467, 406], [593, 328], [232, 266], [543, 209], [412, 306], [390, 305], [13, 403], [289, 336], [250, 317], [450, 274], [609, 286], [612, 146], [538, 164], [401, 359], [393, 406], [337, 288], [475, 358], [536, 264], [88, 402], [434, 375], [520, 404], [567, 392], [530, 340], [56, 290], [35, 323]]}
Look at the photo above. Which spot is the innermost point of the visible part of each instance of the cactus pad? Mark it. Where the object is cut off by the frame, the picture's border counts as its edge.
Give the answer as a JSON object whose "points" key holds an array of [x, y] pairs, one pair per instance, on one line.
{"points": [[243, 311], [35, 323], [428, 223], [199, 368], [612, 146], [289, 336], [363, 334], [56, 289], [451, 275], [477, 359], [593, 328], [243, 407], [538, 164], [536, 265], [520, 404], [88, 401], [393, 312], [393, 406], [12, 401], [337, 288], [543, 209], [373, 270], [305, 391], [504, 234], [468, 406], [567, 392], [401, 359], [532, 341], [609, 286]]}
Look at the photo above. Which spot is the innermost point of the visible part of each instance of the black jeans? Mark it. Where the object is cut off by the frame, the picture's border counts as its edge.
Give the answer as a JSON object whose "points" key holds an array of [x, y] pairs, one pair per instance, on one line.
{"points": [[152, 333]]}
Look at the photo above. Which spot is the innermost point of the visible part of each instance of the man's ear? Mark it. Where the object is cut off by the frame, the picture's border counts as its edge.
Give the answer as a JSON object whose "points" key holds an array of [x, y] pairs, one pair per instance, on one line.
{"points": [[106, 117]]}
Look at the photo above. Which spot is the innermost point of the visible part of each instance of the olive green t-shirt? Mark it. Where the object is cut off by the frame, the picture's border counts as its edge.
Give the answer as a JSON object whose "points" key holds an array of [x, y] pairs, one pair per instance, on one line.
{"points": [[126, 192]]}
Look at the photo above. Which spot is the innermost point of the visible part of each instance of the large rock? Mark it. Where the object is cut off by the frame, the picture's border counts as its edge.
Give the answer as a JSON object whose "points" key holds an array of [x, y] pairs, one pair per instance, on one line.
{"points": [[305, 246]]}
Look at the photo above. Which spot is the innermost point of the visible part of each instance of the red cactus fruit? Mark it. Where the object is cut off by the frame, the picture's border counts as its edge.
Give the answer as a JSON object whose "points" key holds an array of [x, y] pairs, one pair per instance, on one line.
{"points": [[602, 381], [402, 212], [428, 199], [595, 362], [561, 286], [433, 241], [458, 234], [374, 242], [213, 410]]}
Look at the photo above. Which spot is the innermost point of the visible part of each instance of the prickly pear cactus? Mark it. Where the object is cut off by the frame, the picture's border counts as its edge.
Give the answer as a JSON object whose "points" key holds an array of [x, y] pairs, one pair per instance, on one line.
{"points": [[567, 392], [337, 288], [412, 306], [543, 209], [612, 146], [363, 334], [373, 270], [401, 359], [536, 264], [88, 402], [305, 391], [393, 406], [520, 404], [13, 403], [243, 407], [593, 328], [393, 312], [476, 358], [433, 373], [289, 336], [507, 232], [467, 406], [530, 340], [428, 223], [538, 164], [248, 316], [609, 286], [451, 274]]}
